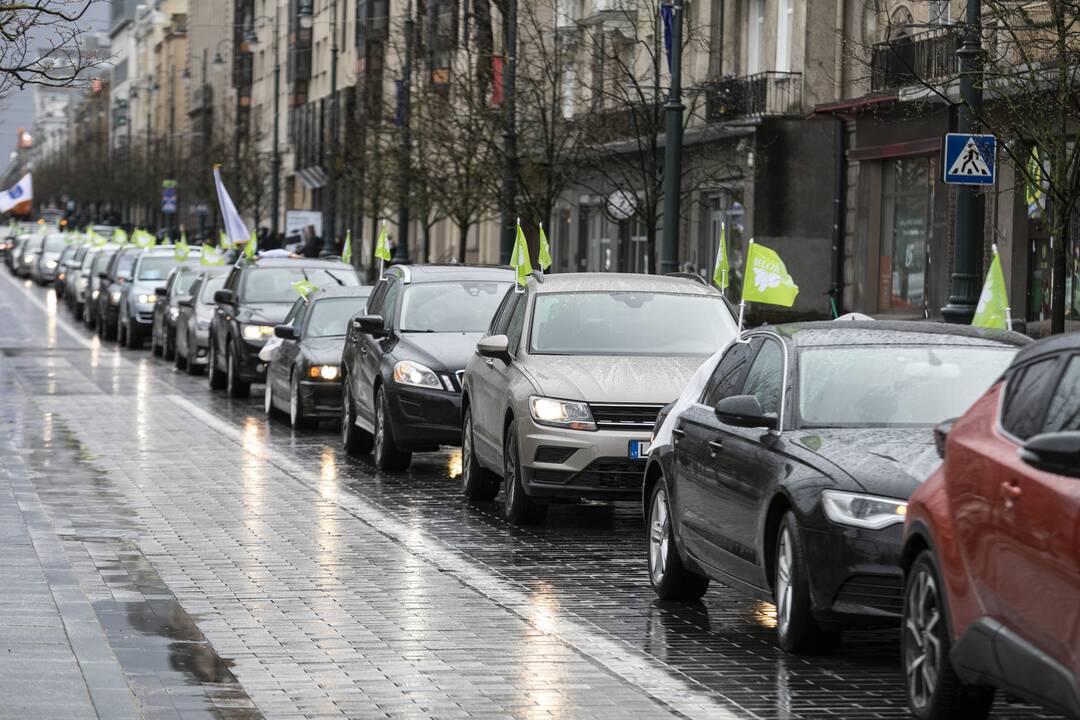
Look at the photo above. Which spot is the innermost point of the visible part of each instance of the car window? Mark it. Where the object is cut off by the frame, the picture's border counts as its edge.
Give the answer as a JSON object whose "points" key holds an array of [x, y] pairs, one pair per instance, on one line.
{"points": [[765, 378], [183, 283], [330, 317], [1064, 412], [516, 325], [88, 260], [374, 306], [1025, 398], [390, 303], [502, 315], [462, 306], [55, 243], [290, 317], [728, 377], [210, 286], [195, 286], [156, 267], [126, 264]]}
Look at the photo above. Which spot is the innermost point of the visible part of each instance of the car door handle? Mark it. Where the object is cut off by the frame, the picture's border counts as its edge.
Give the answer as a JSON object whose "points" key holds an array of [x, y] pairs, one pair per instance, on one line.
{"points": [[490, 362], [715, 446], [363, 351], [678, 432]]}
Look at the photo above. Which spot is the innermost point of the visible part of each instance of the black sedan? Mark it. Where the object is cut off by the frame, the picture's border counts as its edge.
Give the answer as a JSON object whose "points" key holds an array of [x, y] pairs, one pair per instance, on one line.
{"points": [[788, 478], [403, 361], [304, 376], [257, 296]]}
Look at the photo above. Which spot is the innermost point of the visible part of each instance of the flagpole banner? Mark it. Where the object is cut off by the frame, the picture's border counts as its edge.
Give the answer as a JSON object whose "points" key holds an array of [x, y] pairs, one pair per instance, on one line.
{"points": [[766, 279], [519, 258], [993, 308], [19, 198], [235, 228], [544, 258], [720, 269]]}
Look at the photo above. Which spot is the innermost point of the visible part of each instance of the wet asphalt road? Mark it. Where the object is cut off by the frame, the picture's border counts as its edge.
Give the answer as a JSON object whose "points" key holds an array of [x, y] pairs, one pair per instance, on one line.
{"points": [[168, 552]]}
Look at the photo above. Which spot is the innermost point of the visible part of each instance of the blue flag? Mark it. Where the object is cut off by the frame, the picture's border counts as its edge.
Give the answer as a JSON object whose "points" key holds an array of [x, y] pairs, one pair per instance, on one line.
{"points": [[667, 15]]}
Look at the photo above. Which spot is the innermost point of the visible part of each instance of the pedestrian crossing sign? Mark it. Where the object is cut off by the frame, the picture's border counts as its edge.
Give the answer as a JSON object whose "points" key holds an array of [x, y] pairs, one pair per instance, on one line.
{"points": [[970, 159]]}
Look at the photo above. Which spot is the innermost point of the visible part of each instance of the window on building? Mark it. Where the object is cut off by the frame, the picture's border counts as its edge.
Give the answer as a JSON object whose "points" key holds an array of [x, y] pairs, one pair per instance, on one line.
{"points": [[785, 16], [716, 39], [907, 191], [939, 12], [569, 91], [755, 37]]}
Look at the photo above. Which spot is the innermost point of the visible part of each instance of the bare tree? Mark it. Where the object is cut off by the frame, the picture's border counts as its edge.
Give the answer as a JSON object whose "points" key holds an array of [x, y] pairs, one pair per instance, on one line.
{"points": [[54, 26]]}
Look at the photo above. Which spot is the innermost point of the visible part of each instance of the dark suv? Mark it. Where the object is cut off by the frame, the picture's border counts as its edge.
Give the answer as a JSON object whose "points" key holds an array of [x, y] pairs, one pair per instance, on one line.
{"points": [[257, 296], [114, 281], [403, 361]]}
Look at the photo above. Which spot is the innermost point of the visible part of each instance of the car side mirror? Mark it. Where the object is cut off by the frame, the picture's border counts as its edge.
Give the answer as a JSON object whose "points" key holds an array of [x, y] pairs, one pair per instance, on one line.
{"points": [[225, 297], [941, 435], [1057, 453], [285, 332], [495, 346], [370, 324], [186, 302], [160, 291], [103, 275], [744, 411]]}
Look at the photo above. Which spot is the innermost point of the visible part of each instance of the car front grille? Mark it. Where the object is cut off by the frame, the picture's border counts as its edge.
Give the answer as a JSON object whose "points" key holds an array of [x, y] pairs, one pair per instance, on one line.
{"points": [[625, 417], [145, 317], [881, 592], [553, 454], [452, 382], [606, 473]]}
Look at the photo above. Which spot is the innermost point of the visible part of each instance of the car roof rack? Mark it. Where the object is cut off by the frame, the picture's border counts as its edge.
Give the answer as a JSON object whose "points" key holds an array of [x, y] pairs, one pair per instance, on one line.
{"points": [[688, 276]]}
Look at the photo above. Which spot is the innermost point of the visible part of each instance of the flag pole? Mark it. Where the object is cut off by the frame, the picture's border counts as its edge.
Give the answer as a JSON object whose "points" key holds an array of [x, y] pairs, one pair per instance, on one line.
{"points": [[540, 264], [518, 288], [742, 298], [1008, 310]]}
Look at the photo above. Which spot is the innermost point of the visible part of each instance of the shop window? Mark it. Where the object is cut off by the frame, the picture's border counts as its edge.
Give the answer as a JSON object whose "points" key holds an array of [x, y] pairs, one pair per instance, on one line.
{"points": [[907, 189]]}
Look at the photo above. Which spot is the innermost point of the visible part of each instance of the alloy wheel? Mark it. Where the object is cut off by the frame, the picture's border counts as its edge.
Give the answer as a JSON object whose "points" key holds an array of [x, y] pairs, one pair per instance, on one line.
{"points": [[380, 424], [268, 399], [510, 473], [294, 403], [784, 564], [659, 532], [466, 451], [922, 661], [346, 412]]}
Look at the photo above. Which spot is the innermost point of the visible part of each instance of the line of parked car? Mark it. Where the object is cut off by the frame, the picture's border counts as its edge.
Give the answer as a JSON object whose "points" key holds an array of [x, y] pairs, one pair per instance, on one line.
{"points": [[800, 464]]}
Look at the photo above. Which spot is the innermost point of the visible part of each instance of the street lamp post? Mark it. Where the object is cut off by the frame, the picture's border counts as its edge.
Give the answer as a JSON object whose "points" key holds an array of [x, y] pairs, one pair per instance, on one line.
{"points": [[669, 258], [330, 232], [401, 249], [964, 290], [510, 159], [275, 164]]}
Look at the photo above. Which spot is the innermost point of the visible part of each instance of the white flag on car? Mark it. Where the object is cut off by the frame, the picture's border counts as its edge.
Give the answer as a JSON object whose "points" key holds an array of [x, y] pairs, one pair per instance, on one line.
{"points": [[22, 192], [235, 228]]}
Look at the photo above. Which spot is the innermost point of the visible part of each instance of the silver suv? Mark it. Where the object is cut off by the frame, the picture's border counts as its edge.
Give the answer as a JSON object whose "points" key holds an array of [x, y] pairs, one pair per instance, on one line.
{"points": [[560, 399]]}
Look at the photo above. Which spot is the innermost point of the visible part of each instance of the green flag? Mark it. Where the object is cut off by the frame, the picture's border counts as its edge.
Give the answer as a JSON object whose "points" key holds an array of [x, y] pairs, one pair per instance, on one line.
{"points": [[96, 239], [223, 241], [249, 248], [766, 279], [544, 257], [182, 251], [720, 270], [119, 236], [993, 308], [346, 251], [304, 287], [143, 239], [382, 245], [519, 257], [211, 256]]}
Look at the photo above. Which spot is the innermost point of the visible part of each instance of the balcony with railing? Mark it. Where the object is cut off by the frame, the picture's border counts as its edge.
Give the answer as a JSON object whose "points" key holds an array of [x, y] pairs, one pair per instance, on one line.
{"points": [[751, 97], [925, 58]]}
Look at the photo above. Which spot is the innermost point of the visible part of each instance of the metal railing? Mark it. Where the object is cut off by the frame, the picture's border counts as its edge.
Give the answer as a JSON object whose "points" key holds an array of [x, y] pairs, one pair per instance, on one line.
{"points": [[925, 58], [767, 94]]}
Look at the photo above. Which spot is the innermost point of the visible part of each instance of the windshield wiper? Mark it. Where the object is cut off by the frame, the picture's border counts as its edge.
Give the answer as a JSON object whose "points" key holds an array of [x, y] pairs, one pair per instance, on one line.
{"points": [[332, 277]]}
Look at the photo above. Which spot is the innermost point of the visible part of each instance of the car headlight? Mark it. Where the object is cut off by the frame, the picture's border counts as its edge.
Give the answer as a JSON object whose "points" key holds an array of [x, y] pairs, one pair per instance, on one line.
{"points": [[84, 282], [561, 413], [114, 297], [408, 372], [174, 313], [50, 264], [27, 259], [95, 294], [146, 299], [257, 332], [323, 372], [865, 511]]}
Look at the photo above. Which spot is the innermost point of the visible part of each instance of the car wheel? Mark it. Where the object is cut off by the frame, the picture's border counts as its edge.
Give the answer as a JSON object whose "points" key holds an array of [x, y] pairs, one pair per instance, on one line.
{"points": [[671, 580], [168, 349], [796, 629], [214, 375], [387, 456], [131, 339], [297, 418], [518, 507], [268, 399], [155, 349], [180, 361], [478, 484], [934, 692], [355, 440], [191, 366], [234, 386]]}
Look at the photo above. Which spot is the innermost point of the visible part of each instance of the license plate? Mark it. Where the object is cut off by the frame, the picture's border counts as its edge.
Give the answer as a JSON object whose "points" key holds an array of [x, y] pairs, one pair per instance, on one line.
{"points": [[639, 449]]}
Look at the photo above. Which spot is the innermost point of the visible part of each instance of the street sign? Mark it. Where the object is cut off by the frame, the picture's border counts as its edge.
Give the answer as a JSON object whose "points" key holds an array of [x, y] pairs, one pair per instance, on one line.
{"points": [[970, 159], [168, 197]]}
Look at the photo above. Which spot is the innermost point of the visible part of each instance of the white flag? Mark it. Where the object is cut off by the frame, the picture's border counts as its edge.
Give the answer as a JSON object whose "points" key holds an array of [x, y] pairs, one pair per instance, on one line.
{"points": [[234, 227], [23, 192]]}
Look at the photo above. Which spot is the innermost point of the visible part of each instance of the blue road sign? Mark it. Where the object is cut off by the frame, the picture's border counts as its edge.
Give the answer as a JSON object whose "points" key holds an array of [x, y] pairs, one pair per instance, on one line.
{"points": [[970, 159], [168, 199]]}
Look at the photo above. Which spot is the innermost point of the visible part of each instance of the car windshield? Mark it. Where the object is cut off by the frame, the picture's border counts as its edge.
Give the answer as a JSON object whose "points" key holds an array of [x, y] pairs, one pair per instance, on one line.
{"points": [[34, 244], [331, 316], [277, 284], [894, 386], [183, 283], [453, 307], [102, 262], [157, 267], [126, 264], [210, 286], [54, 243], [629, 323], [88, 259]]}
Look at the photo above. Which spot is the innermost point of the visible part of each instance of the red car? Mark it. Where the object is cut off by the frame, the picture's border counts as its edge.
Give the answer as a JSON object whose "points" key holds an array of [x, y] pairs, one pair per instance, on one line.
{"points": [[991, 552]]}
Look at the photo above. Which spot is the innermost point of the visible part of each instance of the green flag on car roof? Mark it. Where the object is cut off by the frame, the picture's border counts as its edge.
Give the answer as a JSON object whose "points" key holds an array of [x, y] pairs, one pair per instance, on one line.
{"points": [[119, 236], [211, 256], [304, 287], [182, 249], [766, 279], [544, 257], [346, 250], [720, 269], [519, 257], [993, 308], [382, 246]]}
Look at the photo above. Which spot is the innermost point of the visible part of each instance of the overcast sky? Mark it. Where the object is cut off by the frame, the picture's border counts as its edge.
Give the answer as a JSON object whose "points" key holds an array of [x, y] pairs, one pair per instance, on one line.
{"points": [[17, 109]]}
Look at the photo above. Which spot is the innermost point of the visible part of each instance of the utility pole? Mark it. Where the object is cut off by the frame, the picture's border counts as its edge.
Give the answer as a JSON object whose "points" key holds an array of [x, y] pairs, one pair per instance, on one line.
{"points": [[967, 258], [669, 258], [330, 229], [510, 159], [275, 181], [401, 249]]}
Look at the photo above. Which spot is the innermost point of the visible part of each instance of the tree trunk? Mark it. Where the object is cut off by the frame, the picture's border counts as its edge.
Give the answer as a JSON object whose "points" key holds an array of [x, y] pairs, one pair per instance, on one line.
{"points": [[427, 242], [373, 267], [463, 231], [1057, 294]]}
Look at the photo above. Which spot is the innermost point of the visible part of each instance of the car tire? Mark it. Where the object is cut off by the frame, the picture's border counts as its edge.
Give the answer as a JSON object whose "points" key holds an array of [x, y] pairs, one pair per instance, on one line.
{"points": [[180, 361], [670, 578], [478, 484], [933, 690], [268, 399], [234, 386], [214, 376], [132, 341], [518, 507], [155, 349], [168, 347], [355, 440], [387, 455], [191, 366], [796, 629], [297, 418]]}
